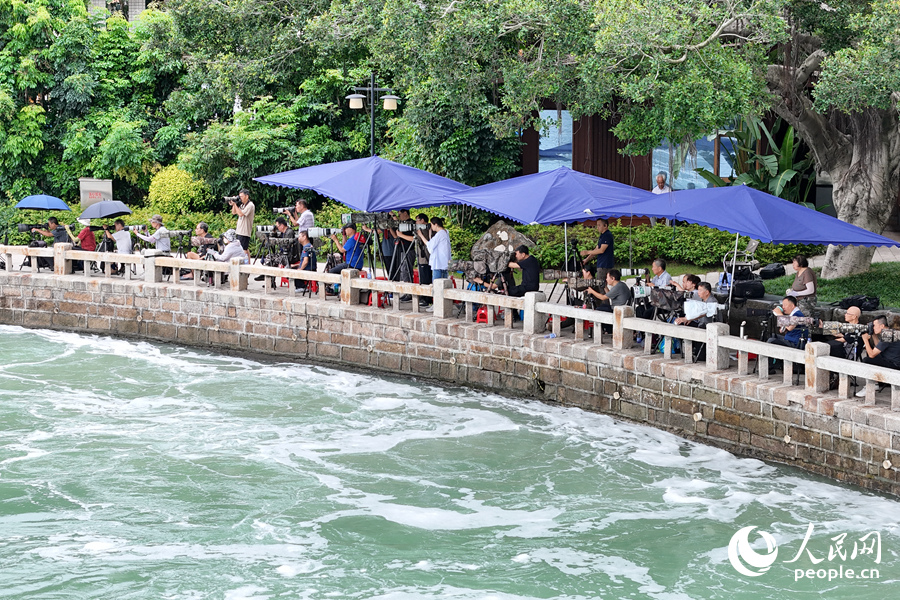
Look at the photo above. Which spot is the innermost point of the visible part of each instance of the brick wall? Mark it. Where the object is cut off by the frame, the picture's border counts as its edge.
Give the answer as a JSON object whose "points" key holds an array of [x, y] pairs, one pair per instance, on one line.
{"points": [[841, 439]]}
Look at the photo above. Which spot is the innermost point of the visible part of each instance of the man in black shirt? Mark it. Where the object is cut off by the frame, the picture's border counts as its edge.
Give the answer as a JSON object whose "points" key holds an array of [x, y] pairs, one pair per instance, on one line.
{"points": [[604, 252], [531, 272], [882, 354]]}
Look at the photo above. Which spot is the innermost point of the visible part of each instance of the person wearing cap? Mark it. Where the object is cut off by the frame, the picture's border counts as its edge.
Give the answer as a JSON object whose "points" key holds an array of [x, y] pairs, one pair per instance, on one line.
{"points": [[841, 342], [160, 235], [233, 248]]}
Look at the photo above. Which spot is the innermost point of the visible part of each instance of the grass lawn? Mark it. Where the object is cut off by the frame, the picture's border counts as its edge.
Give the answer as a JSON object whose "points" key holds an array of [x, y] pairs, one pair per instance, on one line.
{"points": [[881, 280]]}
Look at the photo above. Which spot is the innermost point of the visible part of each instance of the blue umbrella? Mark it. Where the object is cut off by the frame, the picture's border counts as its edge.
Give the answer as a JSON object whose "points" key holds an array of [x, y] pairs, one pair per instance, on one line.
{"points": [[105, 209], [370, 184], [42, 202], [553, 197]]}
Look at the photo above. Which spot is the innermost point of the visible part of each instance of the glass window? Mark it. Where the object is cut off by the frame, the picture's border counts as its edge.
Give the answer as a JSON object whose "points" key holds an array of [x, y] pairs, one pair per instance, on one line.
{"points": [[556, 141], [726, 157], [680, 163]]}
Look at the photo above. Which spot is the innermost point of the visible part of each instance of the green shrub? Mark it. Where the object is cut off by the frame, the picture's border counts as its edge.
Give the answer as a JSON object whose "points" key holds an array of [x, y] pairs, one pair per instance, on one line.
{"points": [[175, 191]]}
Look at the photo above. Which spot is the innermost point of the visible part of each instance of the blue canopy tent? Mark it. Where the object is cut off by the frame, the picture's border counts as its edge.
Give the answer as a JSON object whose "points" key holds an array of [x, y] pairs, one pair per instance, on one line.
{"points": [[552, 197], [746, 211], [370, 184], [560, 196]]}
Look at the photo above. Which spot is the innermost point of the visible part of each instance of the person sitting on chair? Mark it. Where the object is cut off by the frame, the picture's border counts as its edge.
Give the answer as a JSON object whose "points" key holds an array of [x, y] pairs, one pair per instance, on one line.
{"points": [[531, 274], [661, 277], [351, 248], [699, 313], [839, 345], [881, 354], [689, 284], [791, 335], [307, 259], [617, 292]]}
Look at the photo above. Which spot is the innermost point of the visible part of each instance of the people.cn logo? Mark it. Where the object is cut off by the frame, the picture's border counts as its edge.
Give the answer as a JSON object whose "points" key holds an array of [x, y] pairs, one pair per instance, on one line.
{"points": [[745, 559]]}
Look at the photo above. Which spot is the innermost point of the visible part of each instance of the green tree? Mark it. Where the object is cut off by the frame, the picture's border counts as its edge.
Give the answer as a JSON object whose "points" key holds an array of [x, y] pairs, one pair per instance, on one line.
{"points": [[664, 71]]}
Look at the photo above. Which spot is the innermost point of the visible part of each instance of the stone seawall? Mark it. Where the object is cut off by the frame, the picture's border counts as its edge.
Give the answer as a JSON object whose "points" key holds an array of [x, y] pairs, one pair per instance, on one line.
{"points": [[841, 439]]}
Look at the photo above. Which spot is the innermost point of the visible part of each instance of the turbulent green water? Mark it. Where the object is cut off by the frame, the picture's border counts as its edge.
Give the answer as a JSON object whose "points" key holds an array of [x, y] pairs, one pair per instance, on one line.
{"points": [[132, 470]]}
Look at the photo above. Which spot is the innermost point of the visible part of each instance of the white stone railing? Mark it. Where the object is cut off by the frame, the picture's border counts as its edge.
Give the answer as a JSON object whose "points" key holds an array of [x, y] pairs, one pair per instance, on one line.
{"points": [[815, 360]]}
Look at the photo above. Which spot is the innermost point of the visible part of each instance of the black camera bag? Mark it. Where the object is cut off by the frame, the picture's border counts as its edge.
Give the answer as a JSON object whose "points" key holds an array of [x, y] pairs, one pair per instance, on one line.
{"points": [[749, 288], [771, 271], [861, 301], [743, 274]]}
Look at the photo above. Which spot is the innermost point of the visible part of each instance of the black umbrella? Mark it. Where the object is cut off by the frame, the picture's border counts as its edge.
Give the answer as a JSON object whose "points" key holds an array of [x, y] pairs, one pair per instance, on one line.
{"points": [[105, 209]]}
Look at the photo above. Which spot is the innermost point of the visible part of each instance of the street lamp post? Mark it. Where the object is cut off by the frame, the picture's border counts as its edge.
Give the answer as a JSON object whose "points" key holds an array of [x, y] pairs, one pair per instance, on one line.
{"points": [[357, 102]]}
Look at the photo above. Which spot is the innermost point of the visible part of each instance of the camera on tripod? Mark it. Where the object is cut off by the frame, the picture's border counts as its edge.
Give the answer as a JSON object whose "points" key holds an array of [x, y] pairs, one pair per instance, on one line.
{"points": [[179, 234], [26, 228], [287, 210]]}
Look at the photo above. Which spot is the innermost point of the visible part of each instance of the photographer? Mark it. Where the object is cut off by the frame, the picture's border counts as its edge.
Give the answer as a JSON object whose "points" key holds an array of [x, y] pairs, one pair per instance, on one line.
{"points": [[283, 255], [352, 248], [60, 235], [882, 354], [122, 238], [245, 212], [307, 259], [86, 239], [233, 248], [160, 237], [402, 264], [304, 217], [204, 243], [438, 247]]}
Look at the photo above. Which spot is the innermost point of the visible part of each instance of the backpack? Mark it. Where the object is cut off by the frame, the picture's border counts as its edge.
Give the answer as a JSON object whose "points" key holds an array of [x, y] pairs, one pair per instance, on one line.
{"points": [[861, 301]]}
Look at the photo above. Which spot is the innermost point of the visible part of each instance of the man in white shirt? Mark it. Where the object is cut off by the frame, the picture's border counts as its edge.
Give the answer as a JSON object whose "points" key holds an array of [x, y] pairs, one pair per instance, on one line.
{"points": [[122, 238], [305, 219], [439, 247], [661, 187]]}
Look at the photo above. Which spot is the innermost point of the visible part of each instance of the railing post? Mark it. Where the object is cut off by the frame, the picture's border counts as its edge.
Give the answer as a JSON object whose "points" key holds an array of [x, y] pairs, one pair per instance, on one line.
{"points": [[621, 336], [533, 322], [716, 356], [152, 273], [7, 257], [237, 279], [443, 307], [816, 379], [349, 294], [61, 265]]}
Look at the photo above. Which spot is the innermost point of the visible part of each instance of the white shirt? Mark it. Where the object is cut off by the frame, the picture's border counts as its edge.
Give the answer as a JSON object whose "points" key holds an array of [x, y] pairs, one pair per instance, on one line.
{"points": [[123, 241], [439, 247], [232, 250], [664, 190], [160, 238], [305, 221]]}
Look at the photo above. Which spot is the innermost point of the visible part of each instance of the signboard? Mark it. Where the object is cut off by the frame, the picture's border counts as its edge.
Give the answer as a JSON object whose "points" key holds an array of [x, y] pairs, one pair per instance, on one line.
{"points": [[94, 190]]}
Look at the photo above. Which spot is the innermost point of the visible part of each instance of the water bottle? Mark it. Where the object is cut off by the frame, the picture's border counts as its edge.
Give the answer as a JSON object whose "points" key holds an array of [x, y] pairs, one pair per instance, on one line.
{"points": [[550, 336]]}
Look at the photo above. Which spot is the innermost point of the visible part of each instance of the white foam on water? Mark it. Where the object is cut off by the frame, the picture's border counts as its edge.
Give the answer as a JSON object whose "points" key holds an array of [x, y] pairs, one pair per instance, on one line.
{"points": [[247, 592]]}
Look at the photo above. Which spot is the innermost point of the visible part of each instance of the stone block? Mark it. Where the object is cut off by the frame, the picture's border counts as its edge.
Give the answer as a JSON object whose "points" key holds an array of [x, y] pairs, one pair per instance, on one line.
{"points": [[631, 410], [869, 435], [758, 426], [162, 331], [722, 432]]}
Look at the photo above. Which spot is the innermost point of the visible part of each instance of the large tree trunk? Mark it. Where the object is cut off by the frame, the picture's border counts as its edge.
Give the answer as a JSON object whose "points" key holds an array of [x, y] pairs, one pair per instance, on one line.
{"points": [[860, 152]]}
